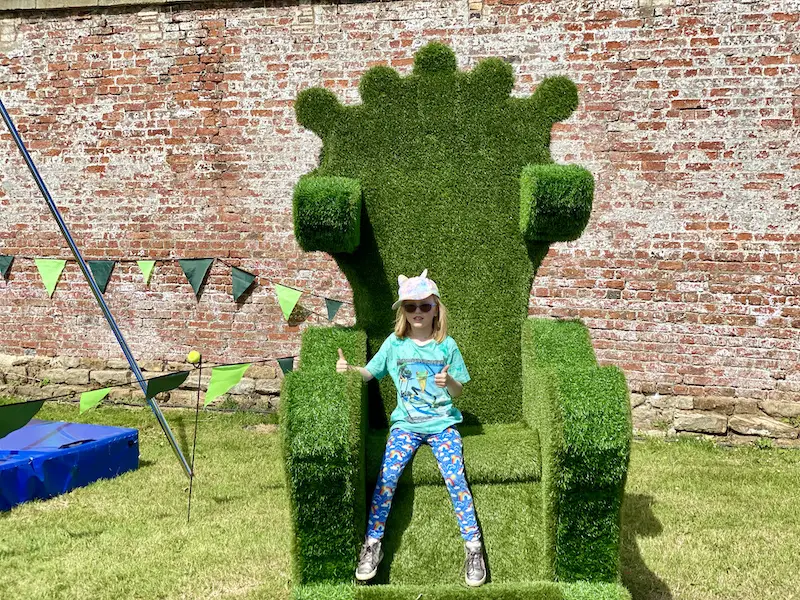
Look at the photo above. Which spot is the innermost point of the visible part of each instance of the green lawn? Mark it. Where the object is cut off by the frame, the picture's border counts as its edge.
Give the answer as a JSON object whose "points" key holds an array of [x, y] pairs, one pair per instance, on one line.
{"points": [[699, 521]]}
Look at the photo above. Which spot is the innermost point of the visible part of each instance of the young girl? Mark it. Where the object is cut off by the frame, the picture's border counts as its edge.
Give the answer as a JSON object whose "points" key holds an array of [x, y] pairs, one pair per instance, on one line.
{"points": [[428, 372]]}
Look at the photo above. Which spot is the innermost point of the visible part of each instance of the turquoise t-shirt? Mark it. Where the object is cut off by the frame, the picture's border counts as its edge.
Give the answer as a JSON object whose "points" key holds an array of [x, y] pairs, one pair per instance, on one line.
{"points": [[422, 406]]}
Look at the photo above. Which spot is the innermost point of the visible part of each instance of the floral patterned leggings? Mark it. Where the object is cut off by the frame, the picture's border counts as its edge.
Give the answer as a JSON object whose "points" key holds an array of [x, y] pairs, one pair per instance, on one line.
{"points": [[447, 448]]}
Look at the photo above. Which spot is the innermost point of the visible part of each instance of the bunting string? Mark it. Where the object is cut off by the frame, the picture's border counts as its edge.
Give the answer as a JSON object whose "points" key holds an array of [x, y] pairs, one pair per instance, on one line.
{"points": [[102, 270]]}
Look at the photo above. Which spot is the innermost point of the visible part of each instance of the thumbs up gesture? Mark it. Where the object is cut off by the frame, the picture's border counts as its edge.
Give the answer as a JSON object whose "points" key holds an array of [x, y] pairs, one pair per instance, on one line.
{"points": [[441, 378], [341, 364]]}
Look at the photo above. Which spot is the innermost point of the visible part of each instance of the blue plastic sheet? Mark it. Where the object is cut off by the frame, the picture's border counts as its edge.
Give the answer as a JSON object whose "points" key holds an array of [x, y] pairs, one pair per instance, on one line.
{"points": [[48, 458]]}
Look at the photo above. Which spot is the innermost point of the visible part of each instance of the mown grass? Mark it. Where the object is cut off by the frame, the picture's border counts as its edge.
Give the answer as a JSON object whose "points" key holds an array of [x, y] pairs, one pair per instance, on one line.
{"points": [[128, 537], [700, 522]]}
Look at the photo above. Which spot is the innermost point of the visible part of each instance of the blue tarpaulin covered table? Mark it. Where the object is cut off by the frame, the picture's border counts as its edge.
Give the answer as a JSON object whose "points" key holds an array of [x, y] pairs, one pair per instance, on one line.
{"points": [[47, 458]]}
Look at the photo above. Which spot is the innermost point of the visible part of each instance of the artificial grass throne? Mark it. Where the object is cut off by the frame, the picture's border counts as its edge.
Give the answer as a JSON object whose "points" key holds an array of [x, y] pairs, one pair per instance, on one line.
{"points": [[445, 170]]}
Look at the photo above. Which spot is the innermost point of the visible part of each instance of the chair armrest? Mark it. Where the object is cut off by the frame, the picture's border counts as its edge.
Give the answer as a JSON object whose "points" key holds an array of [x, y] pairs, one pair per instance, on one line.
{"points": [[583, 416], [327, 213], [323, 429], [555, 202]]}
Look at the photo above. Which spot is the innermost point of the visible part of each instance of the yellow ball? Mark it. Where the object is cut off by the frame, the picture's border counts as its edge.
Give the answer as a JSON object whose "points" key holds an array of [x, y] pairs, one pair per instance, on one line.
{"points": [[193, 357]]}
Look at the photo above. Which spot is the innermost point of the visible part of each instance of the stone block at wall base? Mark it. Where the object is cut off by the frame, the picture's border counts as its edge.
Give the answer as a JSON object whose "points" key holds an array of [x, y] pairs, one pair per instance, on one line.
{"points": [[761, 426], [776, 408], [701, 422]]}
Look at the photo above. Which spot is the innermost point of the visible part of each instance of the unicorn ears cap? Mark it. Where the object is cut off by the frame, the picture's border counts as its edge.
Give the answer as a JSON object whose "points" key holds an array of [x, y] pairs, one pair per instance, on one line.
{"points": [[415, 288]]}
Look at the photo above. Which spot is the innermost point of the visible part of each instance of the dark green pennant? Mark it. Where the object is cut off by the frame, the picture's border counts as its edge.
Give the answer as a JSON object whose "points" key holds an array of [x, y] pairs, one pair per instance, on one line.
{"points": [[101, 271], [16, 416], [5, 265], [287, 364], [165, 383], [195, 270], [241, 281], [333, 307]]}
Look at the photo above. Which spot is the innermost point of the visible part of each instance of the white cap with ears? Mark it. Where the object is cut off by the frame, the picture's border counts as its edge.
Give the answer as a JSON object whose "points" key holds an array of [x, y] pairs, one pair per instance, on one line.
{"points": [[415, 288]]}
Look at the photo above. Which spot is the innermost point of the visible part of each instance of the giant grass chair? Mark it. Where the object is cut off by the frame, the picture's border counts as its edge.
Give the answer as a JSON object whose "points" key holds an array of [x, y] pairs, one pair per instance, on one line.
{"points": [[445, 170]]}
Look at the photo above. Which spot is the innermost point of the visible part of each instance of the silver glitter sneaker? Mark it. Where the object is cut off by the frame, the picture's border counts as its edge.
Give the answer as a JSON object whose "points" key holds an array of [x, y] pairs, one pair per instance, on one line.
{"points": [[368, 561], [474, 566]]}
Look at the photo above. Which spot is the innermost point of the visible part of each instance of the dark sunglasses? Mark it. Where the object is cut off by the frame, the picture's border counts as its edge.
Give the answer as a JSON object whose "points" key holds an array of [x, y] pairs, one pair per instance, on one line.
{"points": [[411, 307]]}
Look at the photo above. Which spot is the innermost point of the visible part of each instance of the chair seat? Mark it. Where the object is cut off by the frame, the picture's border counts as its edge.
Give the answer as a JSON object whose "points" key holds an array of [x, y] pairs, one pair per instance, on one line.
{"points": [[497, 453]]}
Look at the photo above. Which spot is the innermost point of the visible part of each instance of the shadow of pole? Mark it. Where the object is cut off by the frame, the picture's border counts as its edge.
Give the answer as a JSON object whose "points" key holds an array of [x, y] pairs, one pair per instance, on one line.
{"points": [[638, 520]]}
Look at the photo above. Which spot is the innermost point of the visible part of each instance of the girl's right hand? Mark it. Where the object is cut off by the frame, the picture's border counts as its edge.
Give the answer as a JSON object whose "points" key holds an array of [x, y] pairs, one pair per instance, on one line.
{"points": [[341, 364]]}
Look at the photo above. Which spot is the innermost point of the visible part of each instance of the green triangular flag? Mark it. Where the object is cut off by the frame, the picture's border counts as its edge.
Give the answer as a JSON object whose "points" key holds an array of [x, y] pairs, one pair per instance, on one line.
{"points": [[287, 364], [287, 297], [16, 416], [165, 383], [50, 270], [146, 267], [195, 270], [223, 379], [92, 399], [5, 265], [241, 281], [101, 271], [333, 307]]}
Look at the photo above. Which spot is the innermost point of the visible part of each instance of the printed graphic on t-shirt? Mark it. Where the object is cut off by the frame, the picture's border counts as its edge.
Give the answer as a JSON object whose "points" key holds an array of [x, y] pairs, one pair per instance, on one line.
{"points": [[424, 400]]}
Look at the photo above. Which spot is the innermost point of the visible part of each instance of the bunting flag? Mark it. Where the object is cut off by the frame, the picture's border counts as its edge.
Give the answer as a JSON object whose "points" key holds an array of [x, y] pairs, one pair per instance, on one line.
{"points": [[287, 364], [333, 307], [146, 267], [195, 270], [101, 271], [241, 281], [165, 383], [5, 265], [91, 399], [223, 379], [287, 297], [16, 416], [50, 270]]}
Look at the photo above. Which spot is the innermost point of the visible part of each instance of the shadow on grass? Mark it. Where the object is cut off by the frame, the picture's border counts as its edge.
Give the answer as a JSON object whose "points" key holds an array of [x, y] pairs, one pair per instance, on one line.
{"points": [[638, 521], [179, 421]]}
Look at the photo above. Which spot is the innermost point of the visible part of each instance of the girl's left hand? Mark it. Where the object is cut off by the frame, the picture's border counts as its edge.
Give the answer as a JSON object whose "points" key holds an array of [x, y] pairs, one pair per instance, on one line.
{"points": [[442, 377]]}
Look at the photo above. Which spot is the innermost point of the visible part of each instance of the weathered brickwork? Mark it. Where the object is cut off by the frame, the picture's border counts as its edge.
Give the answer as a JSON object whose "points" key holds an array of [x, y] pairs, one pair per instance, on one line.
{"points": [[168, 131]]}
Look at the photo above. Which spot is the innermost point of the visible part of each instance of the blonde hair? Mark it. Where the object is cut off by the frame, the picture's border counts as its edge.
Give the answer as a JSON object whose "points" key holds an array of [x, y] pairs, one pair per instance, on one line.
{"points": [[401, 324]]}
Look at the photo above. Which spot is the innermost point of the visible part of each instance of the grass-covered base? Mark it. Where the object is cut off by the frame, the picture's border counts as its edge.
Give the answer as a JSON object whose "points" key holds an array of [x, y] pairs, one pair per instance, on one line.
{"points": [[537, 590]]}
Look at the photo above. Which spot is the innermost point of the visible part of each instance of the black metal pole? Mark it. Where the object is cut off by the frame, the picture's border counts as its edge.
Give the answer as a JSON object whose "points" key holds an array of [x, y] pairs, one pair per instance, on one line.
{"points": [[151, 402]]}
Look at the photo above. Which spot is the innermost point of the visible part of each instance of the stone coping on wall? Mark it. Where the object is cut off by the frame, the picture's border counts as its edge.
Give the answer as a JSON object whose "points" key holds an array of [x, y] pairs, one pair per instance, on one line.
{"points": [[8, 5], [35, 377]]}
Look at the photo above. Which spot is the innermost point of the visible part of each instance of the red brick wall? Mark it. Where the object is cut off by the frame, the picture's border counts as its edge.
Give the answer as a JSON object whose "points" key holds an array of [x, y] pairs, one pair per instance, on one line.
{"points": [[166, 133]]}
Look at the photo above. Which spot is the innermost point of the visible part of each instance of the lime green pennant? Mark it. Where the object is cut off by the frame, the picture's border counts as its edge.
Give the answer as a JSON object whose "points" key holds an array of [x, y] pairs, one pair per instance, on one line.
{"points": [[101, 271], [287, 297], [50, 270], [223, 379], [146, 267], [91, 399]]}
